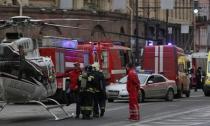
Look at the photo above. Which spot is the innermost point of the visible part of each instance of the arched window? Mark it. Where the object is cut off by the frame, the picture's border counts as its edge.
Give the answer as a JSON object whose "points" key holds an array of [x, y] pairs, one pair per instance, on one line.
{"points": [[98, 33], [122, 31], [47, 30]]}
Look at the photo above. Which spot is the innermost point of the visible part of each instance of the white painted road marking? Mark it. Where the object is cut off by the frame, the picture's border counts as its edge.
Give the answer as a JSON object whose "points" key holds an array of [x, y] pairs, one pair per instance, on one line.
{"points": [[163, 120]]}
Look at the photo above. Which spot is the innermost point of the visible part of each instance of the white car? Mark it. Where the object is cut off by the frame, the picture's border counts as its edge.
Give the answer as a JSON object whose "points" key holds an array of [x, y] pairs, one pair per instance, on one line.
{"points": [[152, 86]]}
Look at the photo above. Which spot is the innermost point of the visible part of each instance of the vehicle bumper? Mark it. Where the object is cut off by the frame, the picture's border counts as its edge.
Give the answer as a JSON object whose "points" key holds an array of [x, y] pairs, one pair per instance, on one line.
{"points": [[119, 96]]}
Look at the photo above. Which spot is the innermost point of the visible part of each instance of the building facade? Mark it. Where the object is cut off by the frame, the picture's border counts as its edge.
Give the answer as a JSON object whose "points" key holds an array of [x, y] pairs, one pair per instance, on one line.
{"points": [[202, 33], [155, 24], [169, 26]]}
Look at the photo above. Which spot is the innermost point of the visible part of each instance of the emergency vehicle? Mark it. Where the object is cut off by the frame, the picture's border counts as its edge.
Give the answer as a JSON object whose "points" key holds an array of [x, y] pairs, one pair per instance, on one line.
{"points": [[196, 59], [65, 52], [170, 61], [206, 86]]}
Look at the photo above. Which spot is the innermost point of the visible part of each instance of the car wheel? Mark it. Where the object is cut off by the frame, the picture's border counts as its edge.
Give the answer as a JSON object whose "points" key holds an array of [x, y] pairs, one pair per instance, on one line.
{"points": [[110, 100], [170, 95], [206, 93], [141, 97]]}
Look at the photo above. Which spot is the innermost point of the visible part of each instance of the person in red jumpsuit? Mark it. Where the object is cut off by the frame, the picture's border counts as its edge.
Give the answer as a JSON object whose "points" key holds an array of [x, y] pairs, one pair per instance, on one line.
{"points": [[74, 87], [133, 88]]}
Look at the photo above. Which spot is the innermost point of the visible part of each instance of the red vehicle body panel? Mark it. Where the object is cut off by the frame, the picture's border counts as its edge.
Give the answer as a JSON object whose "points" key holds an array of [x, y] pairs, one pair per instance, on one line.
{"points": [[162, 59], [63, 60], [85, 54]]}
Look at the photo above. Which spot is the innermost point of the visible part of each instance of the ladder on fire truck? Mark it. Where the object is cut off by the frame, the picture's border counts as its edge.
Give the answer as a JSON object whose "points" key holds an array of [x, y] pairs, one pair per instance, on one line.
{"points": [[50, 109]]}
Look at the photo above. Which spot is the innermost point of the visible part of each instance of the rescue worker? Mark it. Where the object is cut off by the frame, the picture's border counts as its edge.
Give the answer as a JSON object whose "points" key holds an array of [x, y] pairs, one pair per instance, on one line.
{"points": [[133, 87], [86, 92], [100, 91], [74, 87]]}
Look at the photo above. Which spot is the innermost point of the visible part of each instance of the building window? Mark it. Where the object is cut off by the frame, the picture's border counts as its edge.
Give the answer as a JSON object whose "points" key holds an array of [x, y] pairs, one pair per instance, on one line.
{"points": [[14, 2], [180, 10], [86, 2], [176, 10]]}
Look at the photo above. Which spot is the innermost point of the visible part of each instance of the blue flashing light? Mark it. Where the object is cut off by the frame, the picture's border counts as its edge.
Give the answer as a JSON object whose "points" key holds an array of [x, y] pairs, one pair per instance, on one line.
{"points": [[169, 43], [68, 43], [150, 43]]}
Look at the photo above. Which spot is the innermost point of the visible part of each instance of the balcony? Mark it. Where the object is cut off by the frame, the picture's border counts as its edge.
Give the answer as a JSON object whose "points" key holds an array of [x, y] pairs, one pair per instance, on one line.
{"points": [[201, 19]]}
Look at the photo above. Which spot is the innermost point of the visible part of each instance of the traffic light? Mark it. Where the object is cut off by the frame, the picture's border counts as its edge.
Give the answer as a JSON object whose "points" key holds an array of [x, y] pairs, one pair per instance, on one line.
{"points": [[195, 6]]}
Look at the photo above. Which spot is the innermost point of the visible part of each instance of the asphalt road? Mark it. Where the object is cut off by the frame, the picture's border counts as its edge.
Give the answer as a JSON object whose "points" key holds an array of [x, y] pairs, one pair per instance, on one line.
{"points": [[193, 111]]}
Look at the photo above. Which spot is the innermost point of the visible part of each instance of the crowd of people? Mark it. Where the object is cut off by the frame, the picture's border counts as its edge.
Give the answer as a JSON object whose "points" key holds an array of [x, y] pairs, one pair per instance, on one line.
{"points": [[87, 90]]}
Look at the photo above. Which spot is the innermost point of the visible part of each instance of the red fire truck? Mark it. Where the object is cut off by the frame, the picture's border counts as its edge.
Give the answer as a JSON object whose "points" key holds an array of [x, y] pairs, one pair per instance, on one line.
{"points": [[170, 61], [65, 52]]}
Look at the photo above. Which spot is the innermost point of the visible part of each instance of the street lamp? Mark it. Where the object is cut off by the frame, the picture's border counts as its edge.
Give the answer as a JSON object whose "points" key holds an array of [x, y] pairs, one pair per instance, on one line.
{"points": [[21, 7], [195, 12], [131, 23], [137, 33], [195, 6]]}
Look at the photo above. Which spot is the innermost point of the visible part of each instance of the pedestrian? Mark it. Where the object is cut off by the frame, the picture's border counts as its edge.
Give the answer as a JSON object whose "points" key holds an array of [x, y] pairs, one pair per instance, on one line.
{"points": [[198, 78], [100, 91], [86, 92], [133, 88], [74, 87]]}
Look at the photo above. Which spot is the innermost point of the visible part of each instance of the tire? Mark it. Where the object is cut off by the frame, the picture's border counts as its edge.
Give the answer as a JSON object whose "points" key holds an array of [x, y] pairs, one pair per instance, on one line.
{"points": [[206, 93], [170, 95], [141, 97], [110, 100]]}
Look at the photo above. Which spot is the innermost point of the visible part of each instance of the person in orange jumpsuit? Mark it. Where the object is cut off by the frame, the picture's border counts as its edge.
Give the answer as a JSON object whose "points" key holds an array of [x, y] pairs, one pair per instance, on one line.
{"points": [[133, 88]]}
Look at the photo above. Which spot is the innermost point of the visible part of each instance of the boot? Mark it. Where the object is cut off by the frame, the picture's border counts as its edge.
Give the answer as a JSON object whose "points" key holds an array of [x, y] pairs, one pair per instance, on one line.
{"points": [[102, 113]]}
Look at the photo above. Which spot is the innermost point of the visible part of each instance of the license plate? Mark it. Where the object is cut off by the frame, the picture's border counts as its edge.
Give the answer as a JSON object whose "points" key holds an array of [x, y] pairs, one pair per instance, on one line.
{"points": [[113, 92]]}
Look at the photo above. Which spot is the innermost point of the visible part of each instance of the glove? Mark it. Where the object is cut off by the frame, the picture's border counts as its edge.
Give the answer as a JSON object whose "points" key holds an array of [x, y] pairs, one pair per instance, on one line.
{"points": [[90, 78]]}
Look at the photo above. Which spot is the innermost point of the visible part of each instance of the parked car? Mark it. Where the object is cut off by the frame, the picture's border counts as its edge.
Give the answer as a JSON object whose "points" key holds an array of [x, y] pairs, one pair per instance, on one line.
{"points": [[152, 86]]}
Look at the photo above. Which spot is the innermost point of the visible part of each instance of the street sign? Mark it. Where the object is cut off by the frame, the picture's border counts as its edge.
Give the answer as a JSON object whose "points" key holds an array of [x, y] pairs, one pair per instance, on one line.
{"points": [[170, 30], [184, 28], [167, 4]]}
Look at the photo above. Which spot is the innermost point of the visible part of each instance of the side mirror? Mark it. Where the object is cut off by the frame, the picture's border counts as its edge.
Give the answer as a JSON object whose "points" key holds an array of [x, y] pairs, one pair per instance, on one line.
{"points": [[150, 82]]}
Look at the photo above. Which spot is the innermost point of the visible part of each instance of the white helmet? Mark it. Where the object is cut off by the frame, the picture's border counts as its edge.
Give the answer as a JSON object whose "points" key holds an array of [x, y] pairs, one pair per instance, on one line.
{"points": [[96, 66]]}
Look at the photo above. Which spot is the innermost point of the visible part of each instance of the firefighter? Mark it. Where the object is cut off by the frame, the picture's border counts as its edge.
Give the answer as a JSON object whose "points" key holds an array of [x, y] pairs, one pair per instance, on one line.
{"points": [[74, 87], [99, 95], [133, 87], [86, 92]]}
